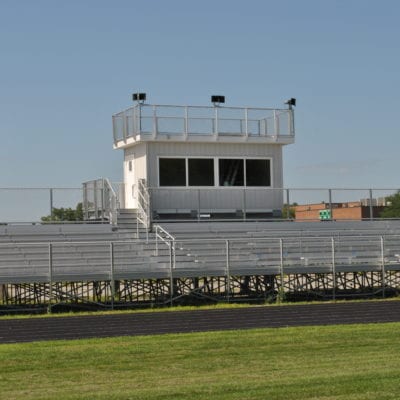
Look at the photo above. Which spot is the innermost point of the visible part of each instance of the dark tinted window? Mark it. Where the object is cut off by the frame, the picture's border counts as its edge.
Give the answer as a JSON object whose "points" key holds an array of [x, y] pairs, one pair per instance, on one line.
{"points": [[172, 172], [231, 172], [201, 172], [258, 173]]}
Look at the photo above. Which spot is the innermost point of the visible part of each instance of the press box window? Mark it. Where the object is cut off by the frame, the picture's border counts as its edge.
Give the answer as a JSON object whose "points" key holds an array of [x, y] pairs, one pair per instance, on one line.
{"points": [[201, 172], [231, 172], [172, 171], [258, 173]]}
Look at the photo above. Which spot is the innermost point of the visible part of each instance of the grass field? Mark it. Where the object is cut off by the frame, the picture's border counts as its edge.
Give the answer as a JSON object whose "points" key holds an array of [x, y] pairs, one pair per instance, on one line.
{"points": [[331, 362]]}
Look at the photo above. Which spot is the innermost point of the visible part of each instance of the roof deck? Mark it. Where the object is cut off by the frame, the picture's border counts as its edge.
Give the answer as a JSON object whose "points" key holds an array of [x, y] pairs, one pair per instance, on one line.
{"points": [[145, 122]]}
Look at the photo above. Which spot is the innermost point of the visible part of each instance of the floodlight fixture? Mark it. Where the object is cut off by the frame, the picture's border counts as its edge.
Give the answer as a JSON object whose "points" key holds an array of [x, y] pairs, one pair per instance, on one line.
{"points": [[139, 97], [217, 100], [291, 102]]}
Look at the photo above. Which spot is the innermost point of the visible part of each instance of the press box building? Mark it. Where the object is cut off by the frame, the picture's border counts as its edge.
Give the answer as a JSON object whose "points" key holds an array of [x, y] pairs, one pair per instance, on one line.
{"points": [[203, 160]]}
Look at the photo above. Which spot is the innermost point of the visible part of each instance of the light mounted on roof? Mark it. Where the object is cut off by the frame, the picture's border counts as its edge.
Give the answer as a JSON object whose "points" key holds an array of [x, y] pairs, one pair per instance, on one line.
{"points": [[139, 97], [217, 100], [291, 102]]}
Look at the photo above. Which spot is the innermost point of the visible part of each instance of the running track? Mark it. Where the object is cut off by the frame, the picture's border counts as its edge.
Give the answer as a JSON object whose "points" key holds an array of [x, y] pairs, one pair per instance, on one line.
{"points": [[96, 326]]}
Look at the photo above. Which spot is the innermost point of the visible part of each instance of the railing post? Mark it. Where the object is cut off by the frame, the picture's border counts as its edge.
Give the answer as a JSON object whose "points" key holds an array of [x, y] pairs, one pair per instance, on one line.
{"points": [[51, 204], [155, 122], [371, 209], [287, 204], [112, 283], [333, 269], [198, 205], [227, 272], [50, 252], [216, 123], [171, 277], [157, 240], [244, 205], [281, 257], [330, 204], [383, 272], [186, 124], [246, 122]]}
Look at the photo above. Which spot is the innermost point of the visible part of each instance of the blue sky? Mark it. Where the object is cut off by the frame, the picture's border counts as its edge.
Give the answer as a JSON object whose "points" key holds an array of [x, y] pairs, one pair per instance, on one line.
{"points": [[67, 66]]}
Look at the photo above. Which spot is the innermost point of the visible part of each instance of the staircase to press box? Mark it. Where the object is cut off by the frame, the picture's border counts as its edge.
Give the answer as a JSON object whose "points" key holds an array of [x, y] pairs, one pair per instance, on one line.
{"points": [[127, 221]]}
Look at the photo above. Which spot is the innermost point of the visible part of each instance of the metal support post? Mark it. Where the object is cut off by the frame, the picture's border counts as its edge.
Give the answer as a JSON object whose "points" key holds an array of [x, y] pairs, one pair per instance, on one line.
{"points": [[333, 269], [112, 281], [371, 208], [287, 204], [50, 251], [244, 205], [330, 204], [51, 204], [383, 266], [198, 205], [171, 277], [281, 290], [227, 272]]}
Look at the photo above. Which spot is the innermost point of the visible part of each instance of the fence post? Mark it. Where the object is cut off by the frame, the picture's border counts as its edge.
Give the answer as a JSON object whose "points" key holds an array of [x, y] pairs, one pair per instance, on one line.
{"points": [[281, 265], [244, 205], [227, 272], [112, 275], [50, 251], [383, 266], [287, 204], [171, 277], [51, 203], [333, 269], [198, 205], [371, 209], [330, 203]]}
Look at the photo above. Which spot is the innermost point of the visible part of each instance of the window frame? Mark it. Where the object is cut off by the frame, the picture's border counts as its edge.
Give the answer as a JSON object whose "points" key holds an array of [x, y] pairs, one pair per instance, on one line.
{"points": [[216, 172]]}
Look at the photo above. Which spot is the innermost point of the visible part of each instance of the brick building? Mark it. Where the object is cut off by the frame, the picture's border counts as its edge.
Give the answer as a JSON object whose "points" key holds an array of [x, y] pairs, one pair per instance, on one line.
{"points": [[354, 210]]}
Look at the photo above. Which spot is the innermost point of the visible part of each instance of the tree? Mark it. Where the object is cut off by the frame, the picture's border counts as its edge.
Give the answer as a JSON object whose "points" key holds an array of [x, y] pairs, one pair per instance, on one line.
{"points": [[65, 214], [292, 210], [392, 210]]}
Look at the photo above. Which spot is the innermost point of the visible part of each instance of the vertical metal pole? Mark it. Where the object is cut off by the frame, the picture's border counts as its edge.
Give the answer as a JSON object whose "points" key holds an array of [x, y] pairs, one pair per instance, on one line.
{"points": [[157, 240], [51, 203], [198, 205], [246, 121], [333, 268], [281, 265], [330, 203], [103, 198], [227, 272], [371, 209], [95, 199], [244, 205], [112, 275], [216, 123], [383, 266], [171, 277], [287, 204], [50, 251], [186, 122]]}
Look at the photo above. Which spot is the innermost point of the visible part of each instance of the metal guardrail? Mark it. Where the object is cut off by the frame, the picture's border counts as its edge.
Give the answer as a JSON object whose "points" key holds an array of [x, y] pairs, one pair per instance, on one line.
{"points": [[100, 202], [202, 120], [144, 208], [27, 205]]}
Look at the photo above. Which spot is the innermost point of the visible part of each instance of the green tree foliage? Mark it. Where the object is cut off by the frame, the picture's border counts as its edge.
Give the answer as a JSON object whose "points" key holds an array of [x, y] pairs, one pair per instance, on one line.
{"points": [[65, 214], [392, 210], [289, 208]]}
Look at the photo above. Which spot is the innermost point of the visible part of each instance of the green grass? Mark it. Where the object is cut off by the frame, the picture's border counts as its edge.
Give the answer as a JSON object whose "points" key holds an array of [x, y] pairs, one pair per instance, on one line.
{"points": [[332, 362]]}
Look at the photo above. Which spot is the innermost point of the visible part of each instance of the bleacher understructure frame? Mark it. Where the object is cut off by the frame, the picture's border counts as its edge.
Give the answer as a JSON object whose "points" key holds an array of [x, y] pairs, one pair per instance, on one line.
{"points": [[191, 263]]}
